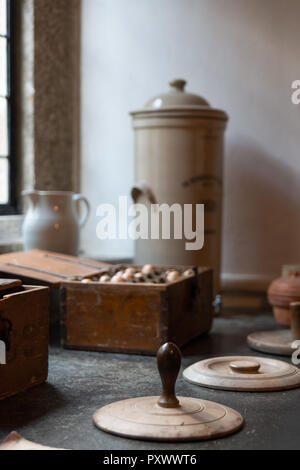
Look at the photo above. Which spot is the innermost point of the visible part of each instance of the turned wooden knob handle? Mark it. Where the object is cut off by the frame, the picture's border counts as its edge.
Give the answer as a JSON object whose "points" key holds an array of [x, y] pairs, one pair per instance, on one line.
{"points": [[244, 367], [168, 363], [295, 320]]}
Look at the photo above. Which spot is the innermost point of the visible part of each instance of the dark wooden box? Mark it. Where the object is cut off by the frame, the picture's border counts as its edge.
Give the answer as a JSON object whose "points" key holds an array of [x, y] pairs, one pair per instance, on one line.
{"points": [[136, 318], [24, 329], [40, 267]]}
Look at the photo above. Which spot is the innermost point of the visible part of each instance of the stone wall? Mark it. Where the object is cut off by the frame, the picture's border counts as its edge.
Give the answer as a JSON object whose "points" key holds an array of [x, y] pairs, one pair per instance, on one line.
{"points": [[56, 102]]}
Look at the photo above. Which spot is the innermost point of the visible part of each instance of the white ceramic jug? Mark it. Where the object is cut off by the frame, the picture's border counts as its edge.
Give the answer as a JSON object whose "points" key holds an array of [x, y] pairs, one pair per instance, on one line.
{"points": [[52, 221]]}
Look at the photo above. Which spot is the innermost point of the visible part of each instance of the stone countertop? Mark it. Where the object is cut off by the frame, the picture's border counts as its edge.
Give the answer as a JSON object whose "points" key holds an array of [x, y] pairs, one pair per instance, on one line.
{"points": [[59, 412]]}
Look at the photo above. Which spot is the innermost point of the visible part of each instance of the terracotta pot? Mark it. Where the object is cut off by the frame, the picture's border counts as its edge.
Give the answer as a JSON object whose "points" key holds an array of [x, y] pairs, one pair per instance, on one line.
{"points": [[281, 293]]}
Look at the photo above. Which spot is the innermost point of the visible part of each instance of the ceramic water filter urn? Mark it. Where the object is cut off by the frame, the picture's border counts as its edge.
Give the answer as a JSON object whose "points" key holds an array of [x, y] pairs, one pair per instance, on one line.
{"points": [[179, 159], [52, 221]]}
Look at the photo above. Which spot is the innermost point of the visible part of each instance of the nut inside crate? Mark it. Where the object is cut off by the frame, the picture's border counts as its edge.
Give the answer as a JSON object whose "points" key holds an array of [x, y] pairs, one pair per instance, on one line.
{"points": [[147, 274]]}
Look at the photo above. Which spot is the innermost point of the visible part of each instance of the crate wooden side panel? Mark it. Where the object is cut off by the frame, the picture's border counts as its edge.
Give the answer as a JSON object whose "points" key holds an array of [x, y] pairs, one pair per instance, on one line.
{"points": [[190, 307], [124, 318], [135, 318], [54, 302], [24, 328]]}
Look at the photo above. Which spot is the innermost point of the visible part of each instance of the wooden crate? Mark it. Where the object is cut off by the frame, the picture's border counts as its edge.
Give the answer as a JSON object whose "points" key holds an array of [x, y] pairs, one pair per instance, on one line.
{"points": [[136, 318], [24, 329], [49, 269]]}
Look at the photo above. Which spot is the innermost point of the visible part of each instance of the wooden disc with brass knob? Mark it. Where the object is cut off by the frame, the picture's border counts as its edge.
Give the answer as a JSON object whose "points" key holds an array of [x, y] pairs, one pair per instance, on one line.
{"points": [[279, 341], [243, 373], [167, 417]]}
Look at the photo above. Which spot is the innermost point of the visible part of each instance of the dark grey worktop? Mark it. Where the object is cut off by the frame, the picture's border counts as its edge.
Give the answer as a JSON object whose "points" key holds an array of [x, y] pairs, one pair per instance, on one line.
{"points": [[59, 413]]}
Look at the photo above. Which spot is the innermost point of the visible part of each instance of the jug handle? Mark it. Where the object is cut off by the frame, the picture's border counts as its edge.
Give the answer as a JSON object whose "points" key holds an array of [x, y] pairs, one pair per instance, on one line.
{"points": [[84, 218]]}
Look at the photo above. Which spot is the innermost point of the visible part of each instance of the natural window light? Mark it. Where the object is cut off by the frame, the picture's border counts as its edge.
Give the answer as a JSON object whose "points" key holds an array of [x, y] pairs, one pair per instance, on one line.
{"points": [[4, 103]]}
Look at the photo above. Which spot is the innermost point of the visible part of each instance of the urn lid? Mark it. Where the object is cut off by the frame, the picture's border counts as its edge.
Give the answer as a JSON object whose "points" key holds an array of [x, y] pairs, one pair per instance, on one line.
{"points": [[176, 96], [177, 100]]}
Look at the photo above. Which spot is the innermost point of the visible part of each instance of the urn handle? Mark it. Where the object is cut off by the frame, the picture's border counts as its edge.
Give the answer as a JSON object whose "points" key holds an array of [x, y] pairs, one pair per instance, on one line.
{"points": [[168, 363], [142, 189]]}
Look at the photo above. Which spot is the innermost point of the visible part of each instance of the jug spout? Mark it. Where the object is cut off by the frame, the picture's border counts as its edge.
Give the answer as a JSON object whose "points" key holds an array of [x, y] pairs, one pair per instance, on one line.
{"points": [[31, 195]]}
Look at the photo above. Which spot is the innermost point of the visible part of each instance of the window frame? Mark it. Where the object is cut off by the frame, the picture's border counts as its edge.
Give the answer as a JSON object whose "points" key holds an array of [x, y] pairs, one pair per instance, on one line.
{"points": [[12, 205]]}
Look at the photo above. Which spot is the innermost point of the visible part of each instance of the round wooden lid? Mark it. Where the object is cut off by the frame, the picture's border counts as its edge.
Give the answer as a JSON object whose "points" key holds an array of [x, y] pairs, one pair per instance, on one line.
{"points": [[192, 420], [168, 418], [272, 342], [242, 373]]}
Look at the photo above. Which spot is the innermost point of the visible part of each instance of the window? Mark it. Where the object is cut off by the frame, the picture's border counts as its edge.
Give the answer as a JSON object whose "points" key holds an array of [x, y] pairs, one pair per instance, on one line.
{"points": [[7, 145]]}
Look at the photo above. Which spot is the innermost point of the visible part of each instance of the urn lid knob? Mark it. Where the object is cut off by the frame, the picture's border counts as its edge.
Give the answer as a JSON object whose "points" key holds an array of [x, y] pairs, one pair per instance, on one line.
{"points": [[178, 84]]}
